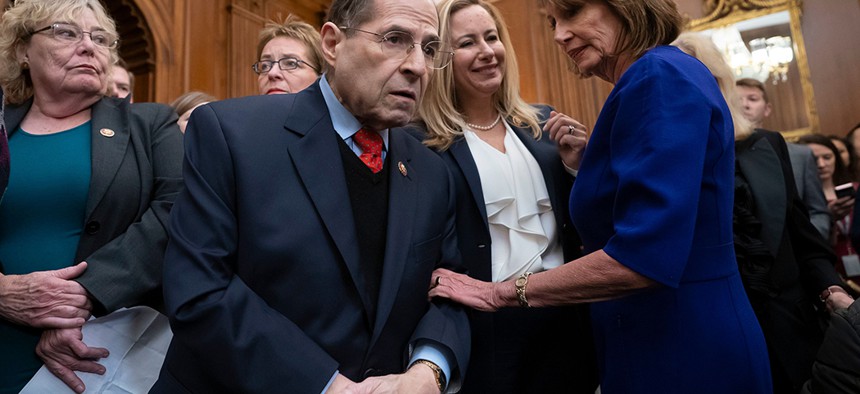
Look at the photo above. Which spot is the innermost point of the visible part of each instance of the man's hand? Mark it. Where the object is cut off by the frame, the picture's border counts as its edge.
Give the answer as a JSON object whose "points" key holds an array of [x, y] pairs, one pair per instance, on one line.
{"points": [[45, 299], [419, 379], [64, 352]]}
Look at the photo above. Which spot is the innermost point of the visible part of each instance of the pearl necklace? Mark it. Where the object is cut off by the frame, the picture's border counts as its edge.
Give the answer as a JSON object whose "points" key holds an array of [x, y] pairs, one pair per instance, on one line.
{"points": [[485, 128]]}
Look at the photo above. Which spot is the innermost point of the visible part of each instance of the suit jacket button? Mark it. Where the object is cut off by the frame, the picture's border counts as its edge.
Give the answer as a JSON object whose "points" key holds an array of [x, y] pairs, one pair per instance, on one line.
{"points": [[92, 227], [370, 372]]}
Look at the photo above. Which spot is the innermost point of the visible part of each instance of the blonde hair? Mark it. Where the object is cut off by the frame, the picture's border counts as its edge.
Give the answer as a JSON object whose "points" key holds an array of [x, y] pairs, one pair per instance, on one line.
{"points": [[439, 109], [702, 48], [294, 28], [190, 100], [15, 32]]}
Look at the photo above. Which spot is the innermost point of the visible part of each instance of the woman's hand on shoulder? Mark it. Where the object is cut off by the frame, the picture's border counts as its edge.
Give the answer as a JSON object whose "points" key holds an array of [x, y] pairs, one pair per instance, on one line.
{"points": [[570, 135]]}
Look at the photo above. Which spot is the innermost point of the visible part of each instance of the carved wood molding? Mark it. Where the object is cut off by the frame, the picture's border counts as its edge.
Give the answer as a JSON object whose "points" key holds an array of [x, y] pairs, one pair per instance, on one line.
{"points": [[719, 10]]}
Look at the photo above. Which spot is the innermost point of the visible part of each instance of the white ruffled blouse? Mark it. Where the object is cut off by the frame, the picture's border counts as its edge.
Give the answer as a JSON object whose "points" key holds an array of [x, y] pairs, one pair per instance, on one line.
{"points": [[519, 212]]}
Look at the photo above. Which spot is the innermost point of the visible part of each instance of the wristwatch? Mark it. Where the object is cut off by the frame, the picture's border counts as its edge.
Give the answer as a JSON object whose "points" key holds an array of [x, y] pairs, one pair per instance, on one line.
{"points": [[440, 376], [521, 283]]}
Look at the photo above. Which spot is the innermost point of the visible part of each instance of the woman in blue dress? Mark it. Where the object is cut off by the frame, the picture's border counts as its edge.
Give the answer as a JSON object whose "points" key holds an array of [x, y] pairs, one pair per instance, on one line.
{"points": [[653, 204]]}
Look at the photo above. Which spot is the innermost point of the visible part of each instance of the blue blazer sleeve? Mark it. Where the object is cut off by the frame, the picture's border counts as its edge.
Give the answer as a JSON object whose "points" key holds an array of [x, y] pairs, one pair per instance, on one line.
{"points": [[658, 153]]}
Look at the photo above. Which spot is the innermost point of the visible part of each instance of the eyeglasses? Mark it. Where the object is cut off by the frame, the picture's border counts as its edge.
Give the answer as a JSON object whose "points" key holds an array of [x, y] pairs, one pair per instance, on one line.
{"points": [[286, 64], [73, 34], [399, 44]]}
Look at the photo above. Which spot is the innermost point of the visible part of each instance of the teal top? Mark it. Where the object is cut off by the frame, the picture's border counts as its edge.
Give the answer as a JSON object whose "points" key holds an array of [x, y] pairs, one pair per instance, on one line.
{"points": [[42, 216]]}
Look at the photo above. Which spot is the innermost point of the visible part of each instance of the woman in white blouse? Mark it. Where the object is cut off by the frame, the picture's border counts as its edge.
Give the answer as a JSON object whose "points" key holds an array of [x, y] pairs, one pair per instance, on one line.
{"points": [[508, 161]]}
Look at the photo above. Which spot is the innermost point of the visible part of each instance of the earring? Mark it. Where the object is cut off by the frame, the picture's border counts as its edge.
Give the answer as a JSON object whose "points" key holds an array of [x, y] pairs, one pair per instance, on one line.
{"points": [[25, 65]]}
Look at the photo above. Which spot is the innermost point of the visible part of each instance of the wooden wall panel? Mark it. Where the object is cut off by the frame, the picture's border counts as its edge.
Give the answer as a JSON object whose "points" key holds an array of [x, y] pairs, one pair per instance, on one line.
{"points": [[831, 32], [244, 28]]}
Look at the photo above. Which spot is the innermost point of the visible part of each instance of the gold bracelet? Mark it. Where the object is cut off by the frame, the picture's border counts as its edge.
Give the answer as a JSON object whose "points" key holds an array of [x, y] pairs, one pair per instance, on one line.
{"points": [[440, 376], [521, 284]]}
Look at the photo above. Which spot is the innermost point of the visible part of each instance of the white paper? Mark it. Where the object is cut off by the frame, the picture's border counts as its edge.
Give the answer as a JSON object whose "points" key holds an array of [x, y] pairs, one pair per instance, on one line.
{"points": [[137, 339]]}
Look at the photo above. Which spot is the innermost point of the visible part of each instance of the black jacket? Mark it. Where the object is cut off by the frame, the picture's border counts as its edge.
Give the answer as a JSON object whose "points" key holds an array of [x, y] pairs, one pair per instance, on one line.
{"points": [[837, 366]]}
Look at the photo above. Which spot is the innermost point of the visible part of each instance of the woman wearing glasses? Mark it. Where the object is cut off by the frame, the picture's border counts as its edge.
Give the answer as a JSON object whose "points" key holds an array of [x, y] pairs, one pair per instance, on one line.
{"points": [[512, 216], [93, 179], [290, 57]]}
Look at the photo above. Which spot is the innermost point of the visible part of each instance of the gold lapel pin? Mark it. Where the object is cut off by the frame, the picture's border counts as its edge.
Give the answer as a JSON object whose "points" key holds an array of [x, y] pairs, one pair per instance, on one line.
{"points": [[402, 168], [107, 132]]}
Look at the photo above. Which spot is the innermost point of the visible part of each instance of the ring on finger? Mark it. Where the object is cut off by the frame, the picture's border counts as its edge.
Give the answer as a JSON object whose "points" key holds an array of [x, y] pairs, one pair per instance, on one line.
{"points": [[438, 280], [569, 129]]}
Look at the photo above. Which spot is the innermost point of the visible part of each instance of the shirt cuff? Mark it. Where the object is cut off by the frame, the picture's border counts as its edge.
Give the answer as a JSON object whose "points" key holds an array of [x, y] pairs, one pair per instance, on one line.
{"points": [[569, 170], [436, 354], [330, 381]]}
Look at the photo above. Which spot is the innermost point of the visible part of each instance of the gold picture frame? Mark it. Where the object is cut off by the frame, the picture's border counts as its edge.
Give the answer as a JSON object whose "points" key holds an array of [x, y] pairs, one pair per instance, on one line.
{"points": [[721, 13]]}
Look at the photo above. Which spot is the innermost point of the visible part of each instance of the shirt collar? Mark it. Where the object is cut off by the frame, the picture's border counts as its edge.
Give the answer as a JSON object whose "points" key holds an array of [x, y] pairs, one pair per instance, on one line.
{"points": [[341, 119]]}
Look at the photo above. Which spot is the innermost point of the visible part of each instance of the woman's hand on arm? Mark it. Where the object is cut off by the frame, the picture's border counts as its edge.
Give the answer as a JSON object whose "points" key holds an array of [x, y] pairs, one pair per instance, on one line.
{"points": [[471, 292], [570, 135], [45, 299], [595, 277]]}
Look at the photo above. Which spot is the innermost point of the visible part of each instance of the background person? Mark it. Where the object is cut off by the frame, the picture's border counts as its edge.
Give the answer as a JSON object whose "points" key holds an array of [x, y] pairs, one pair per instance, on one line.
{"points": [[121, 81], [512, 191], [652, 203], [289, 56], [756, 108], [778, 251], [93, 180], [185, 104], [299, 258], [833, 172]]}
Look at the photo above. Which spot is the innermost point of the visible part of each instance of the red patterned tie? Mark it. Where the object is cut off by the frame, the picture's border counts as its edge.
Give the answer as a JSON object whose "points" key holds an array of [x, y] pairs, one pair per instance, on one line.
{"points": [[371, 148]]}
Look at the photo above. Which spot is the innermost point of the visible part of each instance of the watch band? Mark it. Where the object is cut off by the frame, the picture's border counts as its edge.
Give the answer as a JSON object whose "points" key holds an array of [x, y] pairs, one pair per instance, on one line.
{"points": [[440, 376], [521, 284]]}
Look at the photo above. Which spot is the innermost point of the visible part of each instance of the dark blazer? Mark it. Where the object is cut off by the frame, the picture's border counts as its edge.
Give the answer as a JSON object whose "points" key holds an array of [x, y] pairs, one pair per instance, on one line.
{"points": [[803, 261], [837, 365], [262, 281], [136, 175], [541, 350]]}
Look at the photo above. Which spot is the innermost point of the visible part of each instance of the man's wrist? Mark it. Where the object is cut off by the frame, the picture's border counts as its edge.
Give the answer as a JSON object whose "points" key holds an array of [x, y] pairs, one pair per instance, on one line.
{"points": [[437, 372]]}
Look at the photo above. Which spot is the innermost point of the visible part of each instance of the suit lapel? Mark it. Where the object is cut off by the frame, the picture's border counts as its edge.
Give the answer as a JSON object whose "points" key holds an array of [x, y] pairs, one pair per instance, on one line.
{"points": [[402, 197], [108, 149], [463, 156], [759, 164], [317, 159]]}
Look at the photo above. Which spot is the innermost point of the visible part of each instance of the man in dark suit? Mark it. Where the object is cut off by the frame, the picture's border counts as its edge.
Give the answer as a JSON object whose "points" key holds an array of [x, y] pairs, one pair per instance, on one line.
{"points": [[302, 248], [757, 108]]}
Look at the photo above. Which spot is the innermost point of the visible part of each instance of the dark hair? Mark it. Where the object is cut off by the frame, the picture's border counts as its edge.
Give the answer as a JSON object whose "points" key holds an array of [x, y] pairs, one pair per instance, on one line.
{"points": [[350, 13], [755, 84], [852, 131], [840, 173], [851, 165], [645, 23]]}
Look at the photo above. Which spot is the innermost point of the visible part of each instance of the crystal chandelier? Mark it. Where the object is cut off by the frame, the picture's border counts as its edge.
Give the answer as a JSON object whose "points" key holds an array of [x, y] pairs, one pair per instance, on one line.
{"points": [[764, 58]]}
